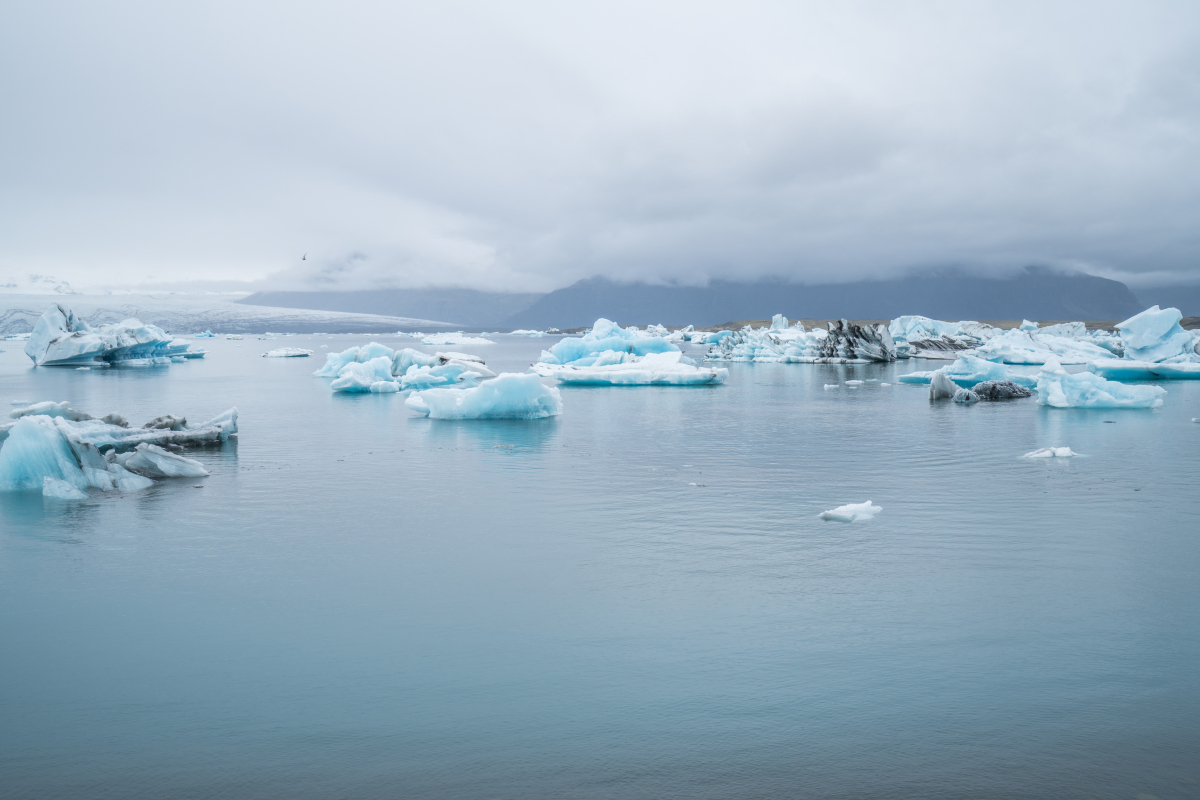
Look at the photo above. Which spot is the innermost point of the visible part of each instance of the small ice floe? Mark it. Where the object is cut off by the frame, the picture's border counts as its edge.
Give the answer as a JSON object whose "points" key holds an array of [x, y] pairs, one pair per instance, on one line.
{"points": [[204, 335], [1051, 452], [941, 387], [81, 369], [854, 383], [885, 384], [613, 368], [833, 386], [288, 352], [698, 484], [852, 512], [509, 396], [458, 337], [523, 332], [234, 336]]}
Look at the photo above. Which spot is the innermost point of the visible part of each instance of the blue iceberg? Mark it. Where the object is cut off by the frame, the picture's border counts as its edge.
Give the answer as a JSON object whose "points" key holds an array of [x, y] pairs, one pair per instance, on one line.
{"points": [[509, 396], [1057, 388], [604, 336]]}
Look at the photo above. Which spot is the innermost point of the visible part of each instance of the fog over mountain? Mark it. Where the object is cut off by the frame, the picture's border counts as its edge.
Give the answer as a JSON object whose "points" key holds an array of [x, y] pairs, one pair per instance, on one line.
{"points": [[523, 146]]}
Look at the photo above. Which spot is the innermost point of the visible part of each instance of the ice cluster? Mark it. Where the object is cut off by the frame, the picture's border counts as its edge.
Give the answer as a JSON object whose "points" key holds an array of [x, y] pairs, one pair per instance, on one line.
{"points": [[607, 336], [288, 352], [380, 369], [1057, 388], [457, 337], [60, 451], [62, 339], [969, 370], [508, 396], [922, 337], [613, 368], [843, 343]]}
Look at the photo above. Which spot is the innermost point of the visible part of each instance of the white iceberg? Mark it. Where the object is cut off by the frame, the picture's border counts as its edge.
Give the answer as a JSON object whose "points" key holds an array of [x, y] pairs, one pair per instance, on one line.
{"points": [[83, 452], [969, 370], [941, 387], [843, 343], [1057, 388], [379, 369], [369, 376], [851, 512], [60, 338], [288, 352], [1051, 452], [457, 337], [605, 336], [1156, 335], [524, 332], [621, 369], [1018, 346], [509, 396]]}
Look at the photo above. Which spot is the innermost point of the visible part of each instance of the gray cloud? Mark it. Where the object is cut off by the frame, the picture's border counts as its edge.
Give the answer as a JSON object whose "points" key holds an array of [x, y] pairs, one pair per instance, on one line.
{"points": [[526, 145]]}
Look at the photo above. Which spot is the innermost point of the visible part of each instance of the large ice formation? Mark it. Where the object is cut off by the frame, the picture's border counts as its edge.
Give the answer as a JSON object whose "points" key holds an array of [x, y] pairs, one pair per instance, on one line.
{"points": [[922, 337], [621, 369], [1156, 335], [60, 338], [969, 370], [509, 396], [1018, 346], [606, 336], [843, 343], [288, 352], [68, 448], [376, 368], [1055, 387], [456, 337], [851, 512]]}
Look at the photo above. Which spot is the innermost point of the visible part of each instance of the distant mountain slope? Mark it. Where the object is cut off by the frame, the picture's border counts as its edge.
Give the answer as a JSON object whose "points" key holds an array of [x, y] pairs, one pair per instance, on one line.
{"points": [[466, 307], [1185, 298], [1034, 294]]}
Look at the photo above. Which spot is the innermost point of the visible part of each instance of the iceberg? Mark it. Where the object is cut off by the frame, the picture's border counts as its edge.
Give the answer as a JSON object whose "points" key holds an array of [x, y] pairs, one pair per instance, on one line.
{"points": [[1155, 335], [43, 452], [204, 335], [969, 370], [620, 369], [843, 343], [509, 396], [1018, 346], [851, 512], [1057, 388], [422, 377], [1120, 369], [991, 390], [61, 490], [523, 332], [366, 376], [288, 352], [457, 337], [941, 387], [60, 338], [1051, 452], [605, 336], [922, 337], [379, 369]]}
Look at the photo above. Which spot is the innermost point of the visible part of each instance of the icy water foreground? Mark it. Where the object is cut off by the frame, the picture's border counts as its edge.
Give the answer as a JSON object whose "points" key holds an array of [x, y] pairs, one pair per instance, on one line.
{"points": [[633, 600]]}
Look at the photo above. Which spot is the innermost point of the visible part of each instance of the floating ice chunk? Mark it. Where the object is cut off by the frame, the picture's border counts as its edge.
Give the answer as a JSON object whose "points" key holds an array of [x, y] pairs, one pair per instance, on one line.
{"points": [[843, 343], [60, 338], [922, 337], [619, 369], [1156, 335], [885, 384], [991, 390], [969, 370], [605, 335], [854, 383], [941, 387], [288, 352], [523, 332], [151, 461], [1026, 325], [61, 490], [1051, 452], [509, 396], [1024, 347], [833, 386], [234, 336], [851, 512], [779, 322], [458, 337], [359, 376], [50, 409], [421, 378], [204, 335], [384, 387], [1055, 387], [1120, 369]]}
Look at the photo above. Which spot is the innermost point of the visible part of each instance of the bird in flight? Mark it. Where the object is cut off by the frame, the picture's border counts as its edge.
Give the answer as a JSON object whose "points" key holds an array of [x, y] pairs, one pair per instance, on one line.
{"points": [[304, 257]]}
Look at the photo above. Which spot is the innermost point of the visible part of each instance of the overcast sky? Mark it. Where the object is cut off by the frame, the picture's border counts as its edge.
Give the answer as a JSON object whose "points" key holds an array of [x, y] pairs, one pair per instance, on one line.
{"points": [[524, 145]]}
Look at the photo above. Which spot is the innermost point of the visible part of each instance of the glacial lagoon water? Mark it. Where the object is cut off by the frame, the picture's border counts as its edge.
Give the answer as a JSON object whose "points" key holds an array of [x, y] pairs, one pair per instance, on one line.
{"points": [[634, 600]]}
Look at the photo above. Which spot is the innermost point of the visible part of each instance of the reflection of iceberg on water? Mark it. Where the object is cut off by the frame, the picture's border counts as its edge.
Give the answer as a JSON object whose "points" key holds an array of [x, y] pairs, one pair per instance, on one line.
{"points": [[509, 396]]}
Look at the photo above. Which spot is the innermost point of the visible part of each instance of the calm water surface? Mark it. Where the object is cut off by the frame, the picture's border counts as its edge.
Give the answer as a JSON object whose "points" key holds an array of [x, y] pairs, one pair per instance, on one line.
{"points": [[634, 600]]}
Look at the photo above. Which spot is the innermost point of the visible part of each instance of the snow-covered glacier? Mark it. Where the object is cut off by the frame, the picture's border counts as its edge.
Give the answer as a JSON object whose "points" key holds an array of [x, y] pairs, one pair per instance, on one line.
{"points": [[1060, 389], [843, 342], [613, 368], [62, 452], [508, 396], [60, 338]]}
